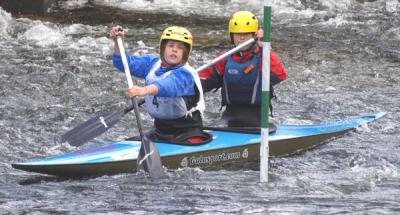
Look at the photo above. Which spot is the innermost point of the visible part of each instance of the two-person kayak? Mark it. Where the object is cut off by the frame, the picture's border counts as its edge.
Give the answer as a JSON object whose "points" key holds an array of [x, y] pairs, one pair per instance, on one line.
{"points": [[226, 148]]}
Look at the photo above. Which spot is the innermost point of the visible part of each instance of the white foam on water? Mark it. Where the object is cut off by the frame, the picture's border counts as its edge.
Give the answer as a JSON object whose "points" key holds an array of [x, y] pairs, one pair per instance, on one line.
{"points": [[42, 35], [392, 6], [5, 24], [72, 4]]}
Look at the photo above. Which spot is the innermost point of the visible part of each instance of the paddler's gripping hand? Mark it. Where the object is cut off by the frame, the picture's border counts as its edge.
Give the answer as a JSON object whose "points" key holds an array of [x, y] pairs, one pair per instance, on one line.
{"points": [[259, 37], [115, 31]]}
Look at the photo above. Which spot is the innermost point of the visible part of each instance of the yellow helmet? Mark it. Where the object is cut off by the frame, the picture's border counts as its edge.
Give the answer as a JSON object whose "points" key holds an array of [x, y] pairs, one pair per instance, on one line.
{"points": [[243, 22], [179, 34]]}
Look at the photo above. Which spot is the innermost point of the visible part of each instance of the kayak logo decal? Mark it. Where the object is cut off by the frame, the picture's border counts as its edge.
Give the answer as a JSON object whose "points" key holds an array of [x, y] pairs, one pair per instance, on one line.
{"points": [[210, 159]]}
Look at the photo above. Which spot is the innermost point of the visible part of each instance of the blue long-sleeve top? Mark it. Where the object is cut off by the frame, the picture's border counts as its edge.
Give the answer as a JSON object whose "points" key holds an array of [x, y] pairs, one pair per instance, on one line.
{"points": [[179, 83]]}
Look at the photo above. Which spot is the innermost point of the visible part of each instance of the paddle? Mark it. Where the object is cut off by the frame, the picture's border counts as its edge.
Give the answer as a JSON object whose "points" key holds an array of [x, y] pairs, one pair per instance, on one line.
{"points": [[149, 156], [102, 122], [95, 126]]}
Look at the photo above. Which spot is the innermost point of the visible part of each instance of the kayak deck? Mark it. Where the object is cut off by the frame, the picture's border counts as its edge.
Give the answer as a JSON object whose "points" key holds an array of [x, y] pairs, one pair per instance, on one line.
{"points": [[226, 147]]}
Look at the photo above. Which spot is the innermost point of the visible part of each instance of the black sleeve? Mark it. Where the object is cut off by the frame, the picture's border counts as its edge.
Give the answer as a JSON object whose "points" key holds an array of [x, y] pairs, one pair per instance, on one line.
{"points": [[274, 79], [213, 82]]}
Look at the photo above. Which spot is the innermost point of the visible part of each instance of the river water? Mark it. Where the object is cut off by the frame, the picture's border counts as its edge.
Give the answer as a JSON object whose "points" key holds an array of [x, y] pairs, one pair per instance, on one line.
{"points": [[342, 59]]}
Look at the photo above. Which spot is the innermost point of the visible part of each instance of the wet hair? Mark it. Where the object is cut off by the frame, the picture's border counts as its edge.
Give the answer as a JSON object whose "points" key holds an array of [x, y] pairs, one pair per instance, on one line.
{"points": [[185, 55]]}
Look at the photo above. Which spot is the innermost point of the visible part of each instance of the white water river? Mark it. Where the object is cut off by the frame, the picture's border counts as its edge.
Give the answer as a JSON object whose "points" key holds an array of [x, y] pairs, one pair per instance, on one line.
{"points": [[342, 59]]}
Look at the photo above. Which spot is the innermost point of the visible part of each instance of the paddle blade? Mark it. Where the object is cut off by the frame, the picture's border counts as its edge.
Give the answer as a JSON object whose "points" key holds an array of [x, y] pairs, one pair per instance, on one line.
{"points": [[149, 159], [92, 128]]}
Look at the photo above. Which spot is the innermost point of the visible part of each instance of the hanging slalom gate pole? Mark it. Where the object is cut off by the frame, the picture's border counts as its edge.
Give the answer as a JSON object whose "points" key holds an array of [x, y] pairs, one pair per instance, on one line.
{"points": [[264, 146]]}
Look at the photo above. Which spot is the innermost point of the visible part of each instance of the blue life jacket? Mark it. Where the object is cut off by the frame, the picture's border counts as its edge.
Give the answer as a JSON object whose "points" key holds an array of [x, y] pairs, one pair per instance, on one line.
{"points": [[171, 107], [241, 84]]}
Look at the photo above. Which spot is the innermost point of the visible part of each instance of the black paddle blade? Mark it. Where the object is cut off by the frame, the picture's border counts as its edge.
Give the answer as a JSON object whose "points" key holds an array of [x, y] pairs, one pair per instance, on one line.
{"points": [[149, 159], [92, 128]]}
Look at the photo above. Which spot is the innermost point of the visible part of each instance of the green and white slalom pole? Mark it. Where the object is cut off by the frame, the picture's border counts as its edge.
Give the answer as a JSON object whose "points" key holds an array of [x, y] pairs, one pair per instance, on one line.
{"points": [[264, 146]]}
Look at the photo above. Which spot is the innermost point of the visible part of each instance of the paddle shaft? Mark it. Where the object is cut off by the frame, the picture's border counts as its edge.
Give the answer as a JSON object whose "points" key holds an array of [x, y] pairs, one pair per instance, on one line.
{"points": [[130, 83], [226, 54], [148, 158]]}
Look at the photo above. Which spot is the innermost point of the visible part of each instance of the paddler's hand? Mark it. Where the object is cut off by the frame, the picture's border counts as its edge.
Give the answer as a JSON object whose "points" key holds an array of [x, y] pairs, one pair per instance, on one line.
{"points": [[260, 36], [142, 91], [115, 31]]}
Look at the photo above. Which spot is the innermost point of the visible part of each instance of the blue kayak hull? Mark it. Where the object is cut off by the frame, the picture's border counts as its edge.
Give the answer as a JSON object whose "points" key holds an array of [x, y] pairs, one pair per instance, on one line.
{"points": [[226, 148]]}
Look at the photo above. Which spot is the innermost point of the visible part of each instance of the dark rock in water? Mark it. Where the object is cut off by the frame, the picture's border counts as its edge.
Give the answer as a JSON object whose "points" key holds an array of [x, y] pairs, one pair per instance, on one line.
{"points": [[95, 14], [26, 6]]}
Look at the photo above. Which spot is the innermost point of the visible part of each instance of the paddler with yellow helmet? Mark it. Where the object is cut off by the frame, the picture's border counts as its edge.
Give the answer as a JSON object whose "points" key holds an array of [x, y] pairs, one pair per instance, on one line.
{"points": [[239, 75], [172, 91]]}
